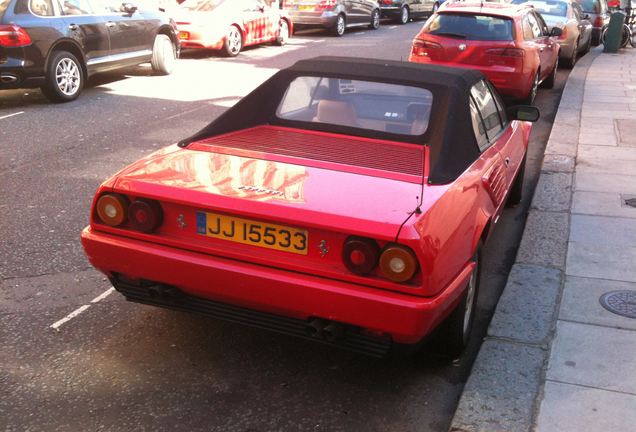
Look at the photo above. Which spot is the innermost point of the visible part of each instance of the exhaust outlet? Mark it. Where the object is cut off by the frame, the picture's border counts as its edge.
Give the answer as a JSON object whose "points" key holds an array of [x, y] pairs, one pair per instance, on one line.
{"points": [[314, 328], [172, 295], [156, 291], [332, 332]]}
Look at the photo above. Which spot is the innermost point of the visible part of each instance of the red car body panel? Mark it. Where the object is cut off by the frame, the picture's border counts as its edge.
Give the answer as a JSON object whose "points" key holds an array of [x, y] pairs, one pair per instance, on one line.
{"points": [[512, 76]]}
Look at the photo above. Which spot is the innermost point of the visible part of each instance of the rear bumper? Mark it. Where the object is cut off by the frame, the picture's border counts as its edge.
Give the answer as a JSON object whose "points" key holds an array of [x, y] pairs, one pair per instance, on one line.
{"points": [[314, 19], [294, 295], [13, 75], [509, 81]]}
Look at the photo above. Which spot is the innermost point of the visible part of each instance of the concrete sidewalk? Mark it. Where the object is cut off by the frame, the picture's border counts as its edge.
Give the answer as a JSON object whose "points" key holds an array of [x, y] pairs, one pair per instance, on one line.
{"points": [[554, 358]]}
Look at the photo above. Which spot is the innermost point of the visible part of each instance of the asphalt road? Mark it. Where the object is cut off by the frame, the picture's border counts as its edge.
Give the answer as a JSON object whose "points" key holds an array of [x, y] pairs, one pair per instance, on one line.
{"points": [[123, 366]]}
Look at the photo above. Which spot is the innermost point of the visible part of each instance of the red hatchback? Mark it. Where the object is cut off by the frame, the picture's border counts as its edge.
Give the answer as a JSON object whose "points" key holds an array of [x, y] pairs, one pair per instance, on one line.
{"points": [[510, 44]]}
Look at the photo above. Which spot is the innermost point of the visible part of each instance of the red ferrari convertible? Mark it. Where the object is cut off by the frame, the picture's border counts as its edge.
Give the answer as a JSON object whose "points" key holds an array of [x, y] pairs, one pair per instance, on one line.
{"points": [[343, 200]]}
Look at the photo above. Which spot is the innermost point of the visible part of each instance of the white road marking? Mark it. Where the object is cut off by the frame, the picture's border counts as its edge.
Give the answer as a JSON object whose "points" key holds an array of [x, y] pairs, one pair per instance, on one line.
{"points": [[81, 309], [392, 27], [11, 115], [319, 40], [359, 33]]}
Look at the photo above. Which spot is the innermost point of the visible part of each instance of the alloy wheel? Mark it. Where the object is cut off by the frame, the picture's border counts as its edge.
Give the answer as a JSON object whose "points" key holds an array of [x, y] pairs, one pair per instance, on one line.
{"points": [[234, 40], [67, 76]]}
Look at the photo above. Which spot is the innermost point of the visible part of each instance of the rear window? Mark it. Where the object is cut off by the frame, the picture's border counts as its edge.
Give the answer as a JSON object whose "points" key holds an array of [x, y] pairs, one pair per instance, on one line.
{"points": [[554, 8], [590, 6], [470, 27], [359, 104], [200, 5]]}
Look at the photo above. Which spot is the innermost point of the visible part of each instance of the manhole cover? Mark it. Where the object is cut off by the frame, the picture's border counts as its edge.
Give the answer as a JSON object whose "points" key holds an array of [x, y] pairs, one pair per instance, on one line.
{"points": [[620, 302], [631, 202]]}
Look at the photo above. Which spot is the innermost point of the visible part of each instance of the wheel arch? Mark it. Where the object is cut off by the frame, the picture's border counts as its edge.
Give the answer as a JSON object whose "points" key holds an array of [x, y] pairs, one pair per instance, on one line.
{"points": [[167, 30], [71, 46]]}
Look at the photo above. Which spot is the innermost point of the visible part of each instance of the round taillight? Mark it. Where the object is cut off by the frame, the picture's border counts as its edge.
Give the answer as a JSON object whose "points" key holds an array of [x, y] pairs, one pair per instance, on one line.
{"points": [[112, 209], [398, 262], [360, 255], [145, 214]]}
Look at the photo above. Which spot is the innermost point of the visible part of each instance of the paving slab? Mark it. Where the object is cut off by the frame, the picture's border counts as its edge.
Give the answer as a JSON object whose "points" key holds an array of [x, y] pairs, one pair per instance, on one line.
{"points": [[581, 302], [609, 99], [590, 107], [614, 183], [602, 152], [561, 148], [603, 230], [565, 132], [606, 166], [543, 239], [527, 307], [557, 163], [592, 121], [501, 391], [606, 128], [568, 408], [598, 139], [553, 192], [602, 261], [626, 131], [601, 204], [594, 356]]}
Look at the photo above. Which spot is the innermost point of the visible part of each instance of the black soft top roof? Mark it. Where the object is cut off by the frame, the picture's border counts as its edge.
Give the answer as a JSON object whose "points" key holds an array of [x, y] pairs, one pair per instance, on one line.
{"points": [[450, 136]]}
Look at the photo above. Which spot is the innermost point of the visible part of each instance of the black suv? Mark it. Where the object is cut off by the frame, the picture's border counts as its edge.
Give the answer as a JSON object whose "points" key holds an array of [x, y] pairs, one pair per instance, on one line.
{"points": [[57, 44]]}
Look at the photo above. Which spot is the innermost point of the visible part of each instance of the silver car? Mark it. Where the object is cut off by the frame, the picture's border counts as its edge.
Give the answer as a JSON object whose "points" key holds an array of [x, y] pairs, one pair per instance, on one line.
{"points": [[336, 15], [569, 16]]}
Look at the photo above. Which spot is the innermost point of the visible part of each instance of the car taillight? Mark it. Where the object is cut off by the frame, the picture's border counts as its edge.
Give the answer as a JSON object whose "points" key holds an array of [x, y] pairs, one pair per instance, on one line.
{"points": [[508, 52], [13, 36], [398, 262], [564, 36], [326, 4], [598, 22], [360, 254], [112, 209], [145, 214], [419, 43], [288, 4]]}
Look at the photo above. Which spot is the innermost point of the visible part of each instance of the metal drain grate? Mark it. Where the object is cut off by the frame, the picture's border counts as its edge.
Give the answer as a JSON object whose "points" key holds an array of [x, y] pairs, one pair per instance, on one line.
{"points": [[620, 302]]}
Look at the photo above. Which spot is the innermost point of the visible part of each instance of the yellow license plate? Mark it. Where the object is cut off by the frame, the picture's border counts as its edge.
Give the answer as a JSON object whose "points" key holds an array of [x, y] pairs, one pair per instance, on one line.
{"points": [[253, 233], [306, 7], [183, 35]]}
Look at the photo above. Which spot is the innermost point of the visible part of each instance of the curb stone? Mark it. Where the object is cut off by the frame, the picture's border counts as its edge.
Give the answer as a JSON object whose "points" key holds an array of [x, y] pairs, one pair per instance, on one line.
{"points": [[506, 384]]}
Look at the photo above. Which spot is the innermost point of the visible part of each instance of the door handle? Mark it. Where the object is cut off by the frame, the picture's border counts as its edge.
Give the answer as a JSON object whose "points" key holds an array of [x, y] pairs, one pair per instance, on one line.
{"points": [[111, 24], [73, 27]]}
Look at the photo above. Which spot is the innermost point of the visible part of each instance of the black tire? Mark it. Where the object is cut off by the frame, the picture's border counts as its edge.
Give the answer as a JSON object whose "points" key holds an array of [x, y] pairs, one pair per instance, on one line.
{"points": [[64, 78], [283, 33], [163, 56], [375, 20], [551, 80], [454, 332], [571, 62], [339, 27], [404, 15], [233, 42], [516, 191], [588, 45], [528, 100]]}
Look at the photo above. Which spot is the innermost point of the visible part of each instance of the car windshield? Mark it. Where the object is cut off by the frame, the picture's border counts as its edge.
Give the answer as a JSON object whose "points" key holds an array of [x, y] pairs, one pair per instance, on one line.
{"points": [[361, 104], [201, 5], [470, 27], [555, 8], [590, 6]]}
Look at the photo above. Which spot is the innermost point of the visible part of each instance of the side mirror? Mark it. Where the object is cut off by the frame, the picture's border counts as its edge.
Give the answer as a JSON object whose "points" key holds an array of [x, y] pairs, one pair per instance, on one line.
{"points": [[129, 8], [523, 113], [556, 31]]}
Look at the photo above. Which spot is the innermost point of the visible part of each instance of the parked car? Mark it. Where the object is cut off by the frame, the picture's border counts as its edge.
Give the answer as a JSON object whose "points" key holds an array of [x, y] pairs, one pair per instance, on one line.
{"points": [[335, 15], [403, 10], [511, 45], [57, 45], [339, 201], [577, 30], [599, 17], [230, 25]]}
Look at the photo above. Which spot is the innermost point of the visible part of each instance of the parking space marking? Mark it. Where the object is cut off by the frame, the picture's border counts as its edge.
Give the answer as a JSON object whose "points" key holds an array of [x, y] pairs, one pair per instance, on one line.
{"points": [[319, 40], [359, 33], [81, 309], [11, 115]]}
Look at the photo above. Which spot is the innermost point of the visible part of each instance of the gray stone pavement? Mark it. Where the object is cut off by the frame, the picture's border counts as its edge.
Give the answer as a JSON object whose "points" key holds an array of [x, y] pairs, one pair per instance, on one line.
{"points": [[554, 359]]}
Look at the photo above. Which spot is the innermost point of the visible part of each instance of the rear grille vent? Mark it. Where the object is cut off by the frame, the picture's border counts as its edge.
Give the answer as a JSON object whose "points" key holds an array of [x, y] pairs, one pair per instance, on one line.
{"points": [[495, 183], [373, 154]]}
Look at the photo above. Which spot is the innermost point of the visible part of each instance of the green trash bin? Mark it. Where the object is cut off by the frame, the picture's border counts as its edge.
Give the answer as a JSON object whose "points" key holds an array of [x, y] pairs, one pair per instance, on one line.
{"points": [[614, 32]]}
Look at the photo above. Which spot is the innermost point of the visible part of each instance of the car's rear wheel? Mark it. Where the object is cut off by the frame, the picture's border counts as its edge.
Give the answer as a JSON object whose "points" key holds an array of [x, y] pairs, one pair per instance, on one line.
{"points": [[163, 57], [454, 332], [516, 191], [551, 79], [571, 62], [375, 20], [339, 28], [233, 42], [404, 15], [528, 100], [64, 78], [588, 45], [283, 33]]}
